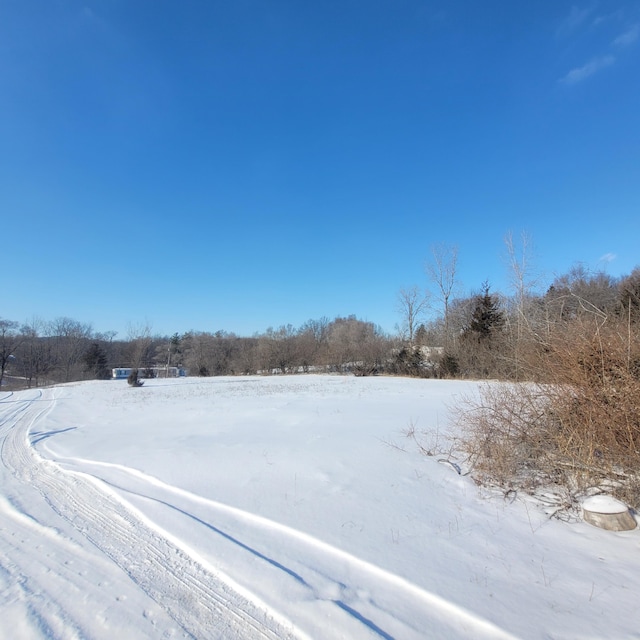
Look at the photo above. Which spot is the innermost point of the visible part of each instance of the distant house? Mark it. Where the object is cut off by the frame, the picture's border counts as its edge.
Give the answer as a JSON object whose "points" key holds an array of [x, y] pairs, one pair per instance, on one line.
{"points": [[122, 373]]}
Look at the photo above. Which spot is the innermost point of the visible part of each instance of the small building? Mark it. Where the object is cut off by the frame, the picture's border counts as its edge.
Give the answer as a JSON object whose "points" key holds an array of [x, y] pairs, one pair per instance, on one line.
{"points": [[122, 373]]}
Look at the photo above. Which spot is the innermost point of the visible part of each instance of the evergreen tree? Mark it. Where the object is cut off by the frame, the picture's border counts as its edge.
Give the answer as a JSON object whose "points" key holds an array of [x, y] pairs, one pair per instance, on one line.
{"points": [[480, 349], [487, 316], [95, 360], [448, 367], [422, 336]]}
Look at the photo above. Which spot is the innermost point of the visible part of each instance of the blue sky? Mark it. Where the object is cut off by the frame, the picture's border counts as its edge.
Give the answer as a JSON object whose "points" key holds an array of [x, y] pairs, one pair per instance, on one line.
{"points": [[238, 165]]}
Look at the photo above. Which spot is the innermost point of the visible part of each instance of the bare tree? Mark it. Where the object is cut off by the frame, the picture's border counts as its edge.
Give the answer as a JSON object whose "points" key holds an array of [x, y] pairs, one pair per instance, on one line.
{"points": [[314, 342], [140, 341], [522, 274], [36, 353], [278, 349], [357, 345], [412, 305], [629, 292], [10, 339], [71, 339], [581, 291], [245, 358], [199, 353], [523, 280], [442, 270]]}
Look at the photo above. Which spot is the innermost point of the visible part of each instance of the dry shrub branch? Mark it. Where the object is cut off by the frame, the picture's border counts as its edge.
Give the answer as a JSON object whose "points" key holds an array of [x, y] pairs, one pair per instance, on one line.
{"points": [[576, 424]]}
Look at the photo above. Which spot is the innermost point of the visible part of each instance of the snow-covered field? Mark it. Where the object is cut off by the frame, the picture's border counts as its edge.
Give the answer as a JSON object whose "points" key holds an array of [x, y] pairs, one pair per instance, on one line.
{"points": [[280, 507]]}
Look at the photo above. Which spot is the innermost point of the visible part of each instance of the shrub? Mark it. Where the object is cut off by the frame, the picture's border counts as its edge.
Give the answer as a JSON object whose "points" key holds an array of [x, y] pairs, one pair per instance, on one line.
{"points": [[133, 379], [448, 367], [576, 427], [409, 361]]}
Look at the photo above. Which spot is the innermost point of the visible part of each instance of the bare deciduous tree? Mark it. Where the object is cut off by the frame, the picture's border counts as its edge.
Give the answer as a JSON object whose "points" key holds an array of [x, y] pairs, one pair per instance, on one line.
{"points": [[523, 280], [71, 339], [36, 354], [412, 305], [581, 291], [279, 349], [356, 345], [442, 270], [198, 348], [140, 340], [10, 339]]}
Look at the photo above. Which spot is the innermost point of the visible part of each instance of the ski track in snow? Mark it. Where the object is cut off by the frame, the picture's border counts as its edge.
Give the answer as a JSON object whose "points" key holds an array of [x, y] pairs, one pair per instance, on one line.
{"points": [[320, 568], [106, 502], [201, 601]]}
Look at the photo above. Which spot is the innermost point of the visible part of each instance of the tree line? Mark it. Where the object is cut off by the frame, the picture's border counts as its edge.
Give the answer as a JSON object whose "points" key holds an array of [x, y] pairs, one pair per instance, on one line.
{"points": [[482, 335], [65, 350]]}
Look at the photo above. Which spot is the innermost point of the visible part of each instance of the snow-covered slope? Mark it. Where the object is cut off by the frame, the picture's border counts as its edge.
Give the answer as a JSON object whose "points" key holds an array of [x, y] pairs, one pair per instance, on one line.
{"points": [[283, 507]]}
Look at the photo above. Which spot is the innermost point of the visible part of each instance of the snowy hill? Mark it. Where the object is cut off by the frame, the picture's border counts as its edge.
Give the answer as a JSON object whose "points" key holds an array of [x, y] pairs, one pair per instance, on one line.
{"points": [[280, 507]]}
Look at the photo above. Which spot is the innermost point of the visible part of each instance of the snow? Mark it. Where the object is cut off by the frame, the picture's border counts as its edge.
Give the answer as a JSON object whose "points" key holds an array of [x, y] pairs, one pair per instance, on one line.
{"points": [[604, 504], [281, 507]]}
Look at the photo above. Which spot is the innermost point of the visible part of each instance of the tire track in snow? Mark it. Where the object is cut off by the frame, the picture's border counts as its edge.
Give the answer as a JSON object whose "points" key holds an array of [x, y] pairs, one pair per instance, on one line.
{"points": [[33, 577], [35, 590], [200, 599], [357, 587], [55, 586]]}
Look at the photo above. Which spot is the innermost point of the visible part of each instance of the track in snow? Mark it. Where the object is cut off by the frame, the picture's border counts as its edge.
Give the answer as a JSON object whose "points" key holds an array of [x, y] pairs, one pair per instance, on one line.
{"points": [[201, 600], [355, 590], [151, 531]]}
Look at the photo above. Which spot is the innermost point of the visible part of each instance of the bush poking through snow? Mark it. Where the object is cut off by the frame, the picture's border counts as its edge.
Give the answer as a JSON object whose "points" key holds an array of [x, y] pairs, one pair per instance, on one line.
{"points": [[133, 379]]}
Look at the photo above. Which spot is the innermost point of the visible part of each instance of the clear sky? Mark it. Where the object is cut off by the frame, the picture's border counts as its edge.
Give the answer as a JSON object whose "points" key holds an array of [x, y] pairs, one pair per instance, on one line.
{"points": [[208, 164]]}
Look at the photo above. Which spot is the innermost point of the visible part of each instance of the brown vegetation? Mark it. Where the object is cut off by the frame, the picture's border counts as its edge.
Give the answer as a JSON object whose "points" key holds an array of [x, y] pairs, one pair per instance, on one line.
{"points": [[576, 424]]}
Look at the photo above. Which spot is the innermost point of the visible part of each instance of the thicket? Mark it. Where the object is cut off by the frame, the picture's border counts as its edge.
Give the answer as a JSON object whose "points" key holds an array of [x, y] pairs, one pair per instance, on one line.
{"points": [[571, 423]]}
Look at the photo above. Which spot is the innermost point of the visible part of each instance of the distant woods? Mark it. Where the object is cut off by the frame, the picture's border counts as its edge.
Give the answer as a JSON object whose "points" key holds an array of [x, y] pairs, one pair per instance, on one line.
{"points": [[440, 334], [65, 350]]}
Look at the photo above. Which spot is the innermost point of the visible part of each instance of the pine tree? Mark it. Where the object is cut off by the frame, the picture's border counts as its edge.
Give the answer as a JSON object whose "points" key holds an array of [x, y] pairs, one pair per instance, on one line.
{"points": [[95, 360], [486, 317]]}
